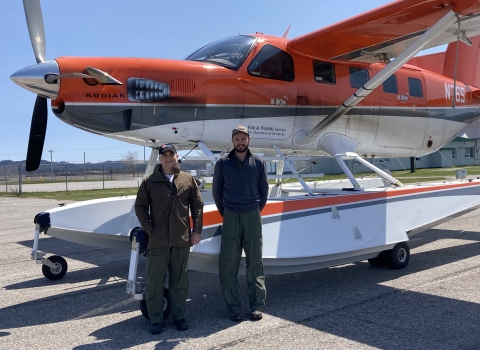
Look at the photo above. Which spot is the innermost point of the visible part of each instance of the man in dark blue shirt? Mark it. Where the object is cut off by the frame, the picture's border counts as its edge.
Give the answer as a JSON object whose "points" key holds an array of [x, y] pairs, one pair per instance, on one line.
{"points": [[240, 191]]}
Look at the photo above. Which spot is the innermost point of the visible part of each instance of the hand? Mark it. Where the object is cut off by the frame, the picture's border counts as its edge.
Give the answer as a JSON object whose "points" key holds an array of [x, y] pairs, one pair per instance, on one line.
{"points": [[196, 238]]}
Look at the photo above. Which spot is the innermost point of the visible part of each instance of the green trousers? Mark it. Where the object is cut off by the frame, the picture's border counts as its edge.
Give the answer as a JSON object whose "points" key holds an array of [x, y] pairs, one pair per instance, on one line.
{"points": [[239, 231], [159, 261]]}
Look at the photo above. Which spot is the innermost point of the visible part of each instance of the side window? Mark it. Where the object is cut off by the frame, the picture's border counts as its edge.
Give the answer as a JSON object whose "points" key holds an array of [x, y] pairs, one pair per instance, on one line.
{"points": [[390, 85], [358, 77], [415, 87], [272, 63], [324, 72], [469, 153]]}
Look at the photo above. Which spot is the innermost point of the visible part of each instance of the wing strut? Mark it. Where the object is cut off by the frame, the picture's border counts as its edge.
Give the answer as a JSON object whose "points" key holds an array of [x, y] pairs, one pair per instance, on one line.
{"points": [[456, 62], [304, 138]]}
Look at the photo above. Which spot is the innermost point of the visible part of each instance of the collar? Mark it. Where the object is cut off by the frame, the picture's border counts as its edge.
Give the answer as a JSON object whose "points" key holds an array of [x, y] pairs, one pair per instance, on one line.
{"points": [[233, 155], [159, 174]]}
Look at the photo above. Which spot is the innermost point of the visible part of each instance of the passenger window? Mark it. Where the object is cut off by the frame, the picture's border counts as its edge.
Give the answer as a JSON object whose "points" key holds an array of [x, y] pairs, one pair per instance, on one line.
{"points": [[272, 63], [390, 85], [324, 72], [358, 77], [415, 87]]}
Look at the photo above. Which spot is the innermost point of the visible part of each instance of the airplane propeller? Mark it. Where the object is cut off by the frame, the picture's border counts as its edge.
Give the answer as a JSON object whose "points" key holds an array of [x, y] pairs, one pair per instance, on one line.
{"points": [[38, 127]]}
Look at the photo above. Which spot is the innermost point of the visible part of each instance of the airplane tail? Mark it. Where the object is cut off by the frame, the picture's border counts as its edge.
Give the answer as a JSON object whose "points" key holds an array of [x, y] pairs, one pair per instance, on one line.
{"points": [[468, 63]]}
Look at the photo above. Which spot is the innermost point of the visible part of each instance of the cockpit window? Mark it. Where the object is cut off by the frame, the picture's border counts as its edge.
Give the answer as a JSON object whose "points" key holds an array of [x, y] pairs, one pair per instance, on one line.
{"points": [[230, 52], [272, 63]]}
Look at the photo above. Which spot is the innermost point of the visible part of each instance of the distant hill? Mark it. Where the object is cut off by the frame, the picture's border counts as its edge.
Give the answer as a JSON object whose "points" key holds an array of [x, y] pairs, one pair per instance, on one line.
{"points": [[46, 166], [42, 162], [59, 167]]}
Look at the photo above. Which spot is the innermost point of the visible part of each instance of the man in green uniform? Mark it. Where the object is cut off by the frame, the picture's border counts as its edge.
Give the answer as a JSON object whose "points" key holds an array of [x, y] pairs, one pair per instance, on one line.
{"points": [[240, 191], [162, 207]]}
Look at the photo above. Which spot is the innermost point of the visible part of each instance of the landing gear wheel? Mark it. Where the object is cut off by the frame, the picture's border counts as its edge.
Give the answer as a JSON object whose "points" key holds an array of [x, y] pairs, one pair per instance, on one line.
{"points": [[379, 261], [59, 271], [399, 256], [167, 309]]}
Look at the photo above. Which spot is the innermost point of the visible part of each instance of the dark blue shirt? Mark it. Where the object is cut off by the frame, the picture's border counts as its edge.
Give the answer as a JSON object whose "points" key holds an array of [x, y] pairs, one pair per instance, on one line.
{"points": [[240, 188]]}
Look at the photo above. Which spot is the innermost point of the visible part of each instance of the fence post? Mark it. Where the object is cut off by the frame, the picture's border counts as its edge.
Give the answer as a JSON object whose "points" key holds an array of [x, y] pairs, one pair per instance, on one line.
{"points": [[103, 175], [66, 178], [20, 178], [6, 185]]}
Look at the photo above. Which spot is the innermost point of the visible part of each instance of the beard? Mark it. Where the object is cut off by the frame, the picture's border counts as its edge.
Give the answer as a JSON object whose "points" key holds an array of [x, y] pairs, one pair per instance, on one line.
{"points": [[244, 148]]}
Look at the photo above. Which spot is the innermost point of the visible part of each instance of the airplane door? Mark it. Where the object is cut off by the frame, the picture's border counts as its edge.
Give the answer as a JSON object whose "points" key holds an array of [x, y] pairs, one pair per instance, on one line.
{"points": [[403, 116], [224, 105], [362, 121], [270, 95]]}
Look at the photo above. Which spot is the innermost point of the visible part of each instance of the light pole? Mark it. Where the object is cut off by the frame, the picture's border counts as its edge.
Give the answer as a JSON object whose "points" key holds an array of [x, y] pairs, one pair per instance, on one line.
{"points": [[51, 163]]}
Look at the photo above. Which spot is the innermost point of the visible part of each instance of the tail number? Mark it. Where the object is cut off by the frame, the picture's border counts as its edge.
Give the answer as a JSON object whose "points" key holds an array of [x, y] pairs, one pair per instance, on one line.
{"points": [[459, 92]]}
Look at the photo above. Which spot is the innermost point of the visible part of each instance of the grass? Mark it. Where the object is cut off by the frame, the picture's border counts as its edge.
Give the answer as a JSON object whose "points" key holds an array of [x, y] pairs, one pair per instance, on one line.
{"points": [[35, 181], [81, 195], [471, 170], [405, 176]]}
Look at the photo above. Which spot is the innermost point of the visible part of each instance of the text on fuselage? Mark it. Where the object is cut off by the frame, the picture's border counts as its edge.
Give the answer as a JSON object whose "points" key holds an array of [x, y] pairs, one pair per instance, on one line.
{"points": [[113, 95], [459, 92]]}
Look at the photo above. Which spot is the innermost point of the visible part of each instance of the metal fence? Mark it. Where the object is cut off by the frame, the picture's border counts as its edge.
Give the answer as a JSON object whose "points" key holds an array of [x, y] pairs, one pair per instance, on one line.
{"points": [[53, 177], [76, 176]]}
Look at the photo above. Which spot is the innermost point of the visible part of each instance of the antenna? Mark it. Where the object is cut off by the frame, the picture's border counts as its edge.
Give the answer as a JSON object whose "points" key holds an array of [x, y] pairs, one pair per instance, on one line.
{"points": [[286, 32], [51, 163]]}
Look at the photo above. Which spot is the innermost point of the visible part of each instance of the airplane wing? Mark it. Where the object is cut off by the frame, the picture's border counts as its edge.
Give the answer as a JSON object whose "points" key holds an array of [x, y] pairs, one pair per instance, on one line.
{"points": [[387, 31]]}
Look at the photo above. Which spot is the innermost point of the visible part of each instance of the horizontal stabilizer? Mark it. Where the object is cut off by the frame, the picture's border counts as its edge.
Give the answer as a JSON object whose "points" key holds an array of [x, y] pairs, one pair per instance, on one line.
{"points": [[434, 62], [472, 131]]}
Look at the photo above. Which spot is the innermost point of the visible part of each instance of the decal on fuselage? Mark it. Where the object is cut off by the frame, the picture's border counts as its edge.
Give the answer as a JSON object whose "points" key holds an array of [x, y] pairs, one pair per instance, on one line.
{"points": [[279, 101], [109, 95], [267, 131], [459, 92]]}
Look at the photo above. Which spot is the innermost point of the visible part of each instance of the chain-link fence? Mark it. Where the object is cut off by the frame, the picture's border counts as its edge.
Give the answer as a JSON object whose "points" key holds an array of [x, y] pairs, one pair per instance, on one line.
{"points": [[52, 177], [73, 176]]}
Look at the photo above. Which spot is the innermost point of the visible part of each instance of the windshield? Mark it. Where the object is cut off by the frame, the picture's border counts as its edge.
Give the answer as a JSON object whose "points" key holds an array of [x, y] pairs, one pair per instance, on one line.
{"points": [[230, 52]]}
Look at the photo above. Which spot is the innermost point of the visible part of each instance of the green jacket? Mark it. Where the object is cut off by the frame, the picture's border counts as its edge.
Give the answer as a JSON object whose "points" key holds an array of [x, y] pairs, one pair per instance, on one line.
{"points": [[162, 208]]}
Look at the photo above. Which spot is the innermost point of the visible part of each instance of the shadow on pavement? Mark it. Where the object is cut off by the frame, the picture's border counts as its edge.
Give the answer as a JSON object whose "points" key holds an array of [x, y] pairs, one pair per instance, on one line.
{"points": [[350, 301]]}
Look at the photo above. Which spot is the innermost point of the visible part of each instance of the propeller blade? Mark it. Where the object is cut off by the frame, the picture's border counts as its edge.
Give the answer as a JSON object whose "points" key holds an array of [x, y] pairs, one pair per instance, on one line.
{"points": [[38, 128], [33, 14]]}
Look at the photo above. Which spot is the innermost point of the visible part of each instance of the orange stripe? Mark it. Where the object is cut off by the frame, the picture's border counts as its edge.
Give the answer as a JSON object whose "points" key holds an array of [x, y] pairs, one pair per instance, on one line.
{"points": [[290, 204]]}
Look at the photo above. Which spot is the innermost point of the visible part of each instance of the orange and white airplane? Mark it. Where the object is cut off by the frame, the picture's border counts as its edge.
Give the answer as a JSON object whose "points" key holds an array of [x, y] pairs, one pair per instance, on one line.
{"points": [[344, 90], [350, 90]]}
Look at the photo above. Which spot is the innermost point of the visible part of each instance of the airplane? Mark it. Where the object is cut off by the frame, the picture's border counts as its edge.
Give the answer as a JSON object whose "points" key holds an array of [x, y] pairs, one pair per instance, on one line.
{"points": [[351, 90], [304, 94]]}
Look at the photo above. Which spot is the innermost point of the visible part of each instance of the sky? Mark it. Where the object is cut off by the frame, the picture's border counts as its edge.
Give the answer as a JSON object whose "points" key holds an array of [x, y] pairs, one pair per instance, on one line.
{"points": [[126, 28]]}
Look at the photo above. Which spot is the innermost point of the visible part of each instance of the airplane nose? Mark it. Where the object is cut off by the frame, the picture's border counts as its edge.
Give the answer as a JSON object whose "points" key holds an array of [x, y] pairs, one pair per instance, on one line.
{"points": [[33, 79]]}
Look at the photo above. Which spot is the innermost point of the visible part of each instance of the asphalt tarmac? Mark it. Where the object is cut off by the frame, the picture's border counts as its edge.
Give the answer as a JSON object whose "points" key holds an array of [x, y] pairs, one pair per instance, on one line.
{"points": [[433, 303]]}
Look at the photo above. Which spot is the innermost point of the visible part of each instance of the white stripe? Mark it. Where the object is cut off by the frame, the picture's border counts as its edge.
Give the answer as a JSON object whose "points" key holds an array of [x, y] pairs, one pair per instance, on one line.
{"points": [[139, 104]]}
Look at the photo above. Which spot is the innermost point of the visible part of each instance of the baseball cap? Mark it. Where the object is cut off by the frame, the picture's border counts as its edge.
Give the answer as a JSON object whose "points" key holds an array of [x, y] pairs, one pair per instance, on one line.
{"points": [[240, 128], [167, 147]]}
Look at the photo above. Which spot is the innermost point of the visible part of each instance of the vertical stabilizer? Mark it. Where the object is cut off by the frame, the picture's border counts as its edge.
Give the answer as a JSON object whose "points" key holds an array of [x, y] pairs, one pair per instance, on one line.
{"points": [[468, 65]]}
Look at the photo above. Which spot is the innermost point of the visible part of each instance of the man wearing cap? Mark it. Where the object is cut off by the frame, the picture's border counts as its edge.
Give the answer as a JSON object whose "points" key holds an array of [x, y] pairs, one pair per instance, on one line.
{"points": [[240, 191], [162, 207]]}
